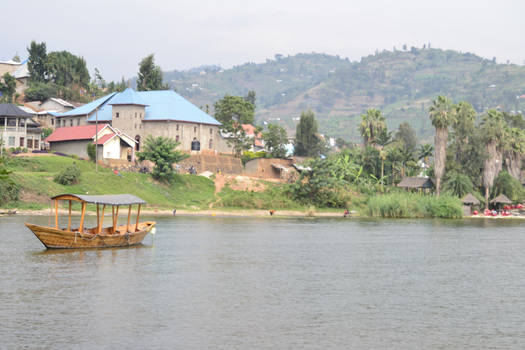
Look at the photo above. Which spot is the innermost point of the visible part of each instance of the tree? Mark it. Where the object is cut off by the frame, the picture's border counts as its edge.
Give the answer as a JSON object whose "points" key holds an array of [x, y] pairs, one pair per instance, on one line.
{"points": [[40, 91], [161, 151], [407, 136], [493, 128], [250, 97], [458, 184], [307, 141], [372, 124], [442, 114], [8, 87], [514, 150], [234, 108], [425, 152], [384, 139], [275, 139], [232, 112], [150, 75], [462, 130], [65, 69], [37, 62]]}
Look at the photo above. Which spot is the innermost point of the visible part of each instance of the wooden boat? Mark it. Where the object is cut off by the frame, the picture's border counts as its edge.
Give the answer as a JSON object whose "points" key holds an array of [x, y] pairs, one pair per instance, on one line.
{"points": [[98, 236]]}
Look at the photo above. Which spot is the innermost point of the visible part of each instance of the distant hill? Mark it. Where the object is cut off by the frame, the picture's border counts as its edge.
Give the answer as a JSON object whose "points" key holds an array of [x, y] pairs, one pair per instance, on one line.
{"points": [[400, 83]]}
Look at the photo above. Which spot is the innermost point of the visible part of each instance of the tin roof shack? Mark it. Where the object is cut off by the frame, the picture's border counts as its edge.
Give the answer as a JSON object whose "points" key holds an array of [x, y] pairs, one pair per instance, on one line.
{"points": [[500, 201], [18, 129], [468, 202], [421, 184], [113, 147]]}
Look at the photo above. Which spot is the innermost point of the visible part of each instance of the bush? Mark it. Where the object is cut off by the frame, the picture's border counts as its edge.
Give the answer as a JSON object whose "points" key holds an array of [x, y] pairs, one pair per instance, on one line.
{"points": [[68, 176], [409, 205], [91, 151], [9, 190]]}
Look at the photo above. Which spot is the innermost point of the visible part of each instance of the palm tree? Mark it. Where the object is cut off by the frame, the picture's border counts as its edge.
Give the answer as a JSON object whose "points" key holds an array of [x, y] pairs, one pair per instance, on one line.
{"points": [[462, 129], [442, 113], [425, 152], [494, 130], [372, 125], [383, 140]]}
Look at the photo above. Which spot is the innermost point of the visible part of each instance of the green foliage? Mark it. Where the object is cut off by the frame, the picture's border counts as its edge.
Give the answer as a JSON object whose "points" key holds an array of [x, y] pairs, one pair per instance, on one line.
{"points": [[409, 205], [150, 75], [275, 140], [326, 184], [39, 91], [46, 132], [161, 151], [68, 176], [372, 125], [442, 112], [249, 155], [9, 189], [407, 136], [273, 197], [458, 184], [307, 140], [92, 151], [7, 87], [234, 109], [65, 69], [37, 62], [509, 186]]}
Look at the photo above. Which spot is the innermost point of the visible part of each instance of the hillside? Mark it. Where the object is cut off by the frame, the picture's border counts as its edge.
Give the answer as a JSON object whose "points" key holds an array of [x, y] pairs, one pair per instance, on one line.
{"points": [[400, 83]]}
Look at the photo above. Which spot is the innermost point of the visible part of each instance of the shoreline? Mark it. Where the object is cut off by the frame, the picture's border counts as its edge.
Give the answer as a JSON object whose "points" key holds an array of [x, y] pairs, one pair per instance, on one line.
{"points": [[259, 213], [184, 212]]}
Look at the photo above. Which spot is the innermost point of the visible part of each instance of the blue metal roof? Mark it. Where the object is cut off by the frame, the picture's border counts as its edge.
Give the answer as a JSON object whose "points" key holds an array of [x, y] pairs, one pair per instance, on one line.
{"points": [[160, 105], [128, 97], [88, 107]]}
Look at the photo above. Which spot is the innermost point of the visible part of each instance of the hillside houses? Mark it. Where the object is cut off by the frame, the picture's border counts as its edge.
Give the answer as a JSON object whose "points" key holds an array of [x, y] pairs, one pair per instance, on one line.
{"points": [[17, 69], [18, 129], [157, 113]]}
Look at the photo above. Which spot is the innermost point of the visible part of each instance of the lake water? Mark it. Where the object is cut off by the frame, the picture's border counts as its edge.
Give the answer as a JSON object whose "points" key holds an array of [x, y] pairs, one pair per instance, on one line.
{"points": [[270, 283]]}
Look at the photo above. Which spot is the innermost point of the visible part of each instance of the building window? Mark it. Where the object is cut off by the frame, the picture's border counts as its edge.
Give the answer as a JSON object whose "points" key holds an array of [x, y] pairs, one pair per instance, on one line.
{"points": [[211, 131], [135, 115], [194, 129], [177, 138], [195, 145], [78, 121], [177, 127], [70, 122], [210, 144], [29, 143], [36, 144], [137, 145], [140, 115], [52, 121], [11, 141], [21, 142], [116, 115]]}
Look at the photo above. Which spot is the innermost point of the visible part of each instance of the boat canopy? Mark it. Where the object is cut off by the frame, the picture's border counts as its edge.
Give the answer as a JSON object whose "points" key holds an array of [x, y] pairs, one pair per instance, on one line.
{"points": [[108, 199]]}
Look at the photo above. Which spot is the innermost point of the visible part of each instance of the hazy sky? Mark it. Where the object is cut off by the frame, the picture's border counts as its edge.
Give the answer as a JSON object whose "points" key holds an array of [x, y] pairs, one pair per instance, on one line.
{"points": [[114, 35]]}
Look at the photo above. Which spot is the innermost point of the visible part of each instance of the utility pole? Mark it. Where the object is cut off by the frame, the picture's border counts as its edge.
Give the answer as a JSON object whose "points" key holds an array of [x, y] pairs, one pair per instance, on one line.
{"points": [[96, 140]]}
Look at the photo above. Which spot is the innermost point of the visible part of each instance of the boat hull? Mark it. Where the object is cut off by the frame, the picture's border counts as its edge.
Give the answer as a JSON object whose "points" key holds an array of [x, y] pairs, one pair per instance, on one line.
{"points": [[53, 238]]}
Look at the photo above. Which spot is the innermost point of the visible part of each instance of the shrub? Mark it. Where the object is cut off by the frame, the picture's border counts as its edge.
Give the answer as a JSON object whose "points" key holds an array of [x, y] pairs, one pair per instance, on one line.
{"points": [[68, 176], [91, 151], [458, 184], [9, 190]]}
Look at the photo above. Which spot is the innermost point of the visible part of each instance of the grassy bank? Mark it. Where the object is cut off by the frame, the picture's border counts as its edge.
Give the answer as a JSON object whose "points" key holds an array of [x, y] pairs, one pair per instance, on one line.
{"points": [[35, 176], [409, 205]]}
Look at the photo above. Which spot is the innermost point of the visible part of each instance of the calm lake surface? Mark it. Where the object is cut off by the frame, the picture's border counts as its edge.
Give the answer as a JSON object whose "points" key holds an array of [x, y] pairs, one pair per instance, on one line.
{"points": [[270, 283]]}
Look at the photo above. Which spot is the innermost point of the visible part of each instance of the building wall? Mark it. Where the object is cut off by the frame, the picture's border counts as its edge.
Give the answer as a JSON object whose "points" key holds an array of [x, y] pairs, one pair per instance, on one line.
{"points": [[79, 120], [50, 105], [11, 135], [77, 147], [112, 149], [8, 68]]}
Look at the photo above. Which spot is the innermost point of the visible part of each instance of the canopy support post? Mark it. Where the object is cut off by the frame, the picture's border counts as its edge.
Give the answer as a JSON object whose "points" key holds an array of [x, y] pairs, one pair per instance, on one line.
{"points": [[101, 220], [129, 216], [115, 219], [98, 218], [81, 228], [69, 218], [138, 215], [56, 213]]}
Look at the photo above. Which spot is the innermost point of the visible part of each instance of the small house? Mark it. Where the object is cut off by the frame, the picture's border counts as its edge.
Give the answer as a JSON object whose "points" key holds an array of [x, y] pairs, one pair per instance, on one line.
{"points": [[113, 146], [422, 184], [468, 202], [18, 129]]}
